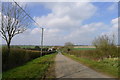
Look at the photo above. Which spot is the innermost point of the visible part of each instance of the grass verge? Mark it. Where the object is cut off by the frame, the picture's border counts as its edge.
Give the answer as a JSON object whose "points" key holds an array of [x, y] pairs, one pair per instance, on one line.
{"points": [[50, 73], [98, 66], [34, 69]]}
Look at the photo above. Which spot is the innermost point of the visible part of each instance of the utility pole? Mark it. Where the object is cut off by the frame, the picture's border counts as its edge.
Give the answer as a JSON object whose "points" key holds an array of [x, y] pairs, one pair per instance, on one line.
{"points": [[35, 22], [42, 42]]}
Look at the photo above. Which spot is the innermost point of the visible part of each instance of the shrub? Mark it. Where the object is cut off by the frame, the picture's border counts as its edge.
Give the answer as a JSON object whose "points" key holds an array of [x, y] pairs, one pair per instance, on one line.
{"points": [[37, 48], [106, 46]]}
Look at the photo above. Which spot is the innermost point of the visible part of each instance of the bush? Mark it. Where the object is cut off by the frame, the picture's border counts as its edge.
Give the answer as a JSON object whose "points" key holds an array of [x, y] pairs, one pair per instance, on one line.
{"points": [[19, 57], [106, 46], [37, 48]]}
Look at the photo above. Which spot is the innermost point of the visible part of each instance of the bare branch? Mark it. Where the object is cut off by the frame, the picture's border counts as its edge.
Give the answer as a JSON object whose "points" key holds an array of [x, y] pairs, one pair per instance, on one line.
{"points": [[14, 21]]}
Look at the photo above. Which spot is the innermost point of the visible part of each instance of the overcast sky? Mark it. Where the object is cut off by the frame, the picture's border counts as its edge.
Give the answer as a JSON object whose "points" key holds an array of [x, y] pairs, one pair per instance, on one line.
{"points": [[78, 23]]}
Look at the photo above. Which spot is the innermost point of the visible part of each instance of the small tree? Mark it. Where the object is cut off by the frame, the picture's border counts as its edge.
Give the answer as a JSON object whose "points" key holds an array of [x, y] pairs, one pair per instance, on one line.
{"points": [[105, 45], [13, 21], [69, 44], [37, 48]]}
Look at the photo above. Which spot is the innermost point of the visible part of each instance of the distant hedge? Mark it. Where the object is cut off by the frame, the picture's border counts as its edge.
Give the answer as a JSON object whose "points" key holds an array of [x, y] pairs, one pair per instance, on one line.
{"points": [[19, 57]]}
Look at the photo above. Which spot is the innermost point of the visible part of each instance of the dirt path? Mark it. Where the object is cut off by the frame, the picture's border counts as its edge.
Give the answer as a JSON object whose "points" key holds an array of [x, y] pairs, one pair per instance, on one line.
{"points": [[68, 68]]}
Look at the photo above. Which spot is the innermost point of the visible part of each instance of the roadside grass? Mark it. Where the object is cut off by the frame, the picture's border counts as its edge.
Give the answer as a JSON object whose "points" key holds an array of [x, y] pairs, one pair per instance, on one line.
{"points": [[36, 68], [105, 66], [51, 71]]}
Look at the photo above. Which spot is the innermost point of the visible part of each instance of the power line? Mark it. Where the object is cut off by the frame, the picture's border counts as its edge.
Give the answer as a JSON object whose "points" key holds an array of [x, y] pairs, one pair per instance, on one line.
{"points": [[27, 14], [36, 23]]}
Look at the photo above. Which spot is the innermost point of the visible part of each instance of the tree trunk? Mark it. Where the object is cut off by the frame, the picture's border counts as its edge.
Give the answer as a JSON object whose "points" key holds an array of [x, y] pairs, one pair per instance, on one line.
{"points": [[8, 46]]}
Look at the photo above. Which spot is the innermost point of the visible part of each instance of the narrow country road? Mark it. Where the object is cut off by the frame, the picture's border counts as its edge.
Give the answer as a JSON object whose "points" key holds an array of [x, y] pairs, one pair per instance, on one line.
{"points": [[68, 68]]}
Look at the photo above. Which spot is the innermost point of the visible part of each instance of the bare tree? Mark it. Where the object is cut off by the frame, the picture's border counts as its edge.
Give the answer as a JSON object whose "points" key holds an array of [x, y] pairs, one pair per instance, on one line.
{"points": [[106, 46], [13, 21], [68, 46], [104, 41]]}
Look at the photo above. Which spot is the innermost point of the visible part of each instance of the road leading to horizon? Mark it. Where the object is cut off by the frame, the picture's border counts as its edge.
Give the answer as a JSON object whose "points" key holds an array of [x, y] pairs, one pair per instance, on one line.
{"points": [[68, 68]]}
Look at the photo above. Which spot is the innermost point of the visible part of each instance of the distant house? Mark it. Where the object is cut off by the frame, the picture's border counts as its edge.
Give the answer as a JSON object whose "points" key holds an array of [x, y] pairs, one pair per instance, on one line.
{"points": [[51, 49]]}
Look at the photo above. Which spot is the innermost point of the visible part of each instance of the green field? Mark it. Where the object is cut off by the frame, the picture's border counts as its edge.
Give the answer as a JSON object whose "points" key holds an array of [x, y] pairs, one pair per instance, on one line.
{"points": [[36, 68], [84, 48]]}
